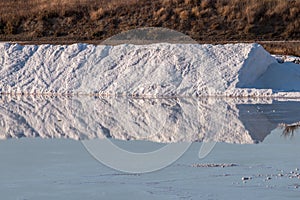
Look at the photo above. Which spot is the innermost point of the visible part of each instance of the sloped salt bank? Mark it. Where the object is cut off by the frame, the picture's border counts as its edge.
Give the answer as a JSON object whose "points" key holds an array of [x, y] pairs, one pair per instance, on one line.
{"points": [[280, 77], [153, 70], [287, 58]]}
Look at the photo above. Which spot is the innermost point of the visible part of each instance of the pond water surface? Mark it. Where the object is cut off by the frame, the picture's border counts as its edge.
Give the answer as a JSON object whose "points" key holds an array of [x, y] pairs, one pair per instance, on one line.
{"points": [[47, 152]]}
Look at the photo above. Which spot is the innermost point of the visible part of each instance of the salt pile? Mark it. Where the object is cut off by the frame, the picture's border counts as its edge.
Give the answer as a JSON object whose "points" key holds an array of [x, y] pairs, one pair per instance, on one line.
{"points": [[147, 70], [29, 74]]}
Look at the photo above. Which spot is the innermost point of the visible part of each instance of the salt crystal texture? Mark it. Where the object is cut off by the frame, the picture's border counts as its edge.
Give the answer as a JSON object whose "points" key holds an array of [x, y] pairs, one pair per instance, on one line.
{"points": [[148, 70], [157, 70]]}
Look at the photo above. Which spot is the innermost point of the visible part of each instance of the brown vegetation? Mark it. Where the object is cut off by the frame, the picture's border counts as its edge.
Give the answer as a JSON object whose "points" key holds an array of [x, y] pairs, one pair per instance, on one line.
{"points": [[289, 129], [203, 20]]}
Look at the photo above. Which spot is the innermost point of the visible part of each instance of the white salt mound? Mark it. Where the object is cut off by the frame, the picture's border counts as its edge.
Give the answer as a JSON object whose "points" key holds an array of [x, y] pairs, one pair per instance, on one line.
{"points": [[151, 70]]}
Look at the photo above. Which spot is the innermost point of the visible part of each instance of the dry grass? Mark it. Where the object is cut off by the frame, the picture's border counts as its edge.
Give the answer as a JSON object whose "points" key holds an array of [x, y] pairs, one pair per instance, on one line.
{"points": [[283, 48], [21, 8], [289, 129], [184, 15], [203, 20]]}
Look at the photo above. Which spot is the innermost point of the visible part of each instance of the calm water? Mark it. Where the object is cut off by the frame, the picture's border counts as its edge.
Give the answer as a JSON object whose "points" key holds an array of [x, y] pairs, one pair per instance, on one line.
{"points": [[160, 120], [256, 138]]}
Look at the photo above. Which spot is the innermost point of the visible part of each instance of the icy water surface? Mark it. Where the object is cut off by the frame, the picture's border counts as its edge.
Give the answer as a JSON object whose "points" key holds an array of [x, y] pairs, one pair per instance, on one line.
{"points": [[255, 157]]}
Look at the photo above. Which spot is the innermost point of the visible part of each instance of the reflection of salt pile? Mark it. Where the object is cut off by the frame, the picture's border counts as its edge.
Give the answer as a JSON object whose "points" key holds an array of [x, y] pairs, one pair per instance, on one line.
{"points": [[158, 120], [157, 69]]}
